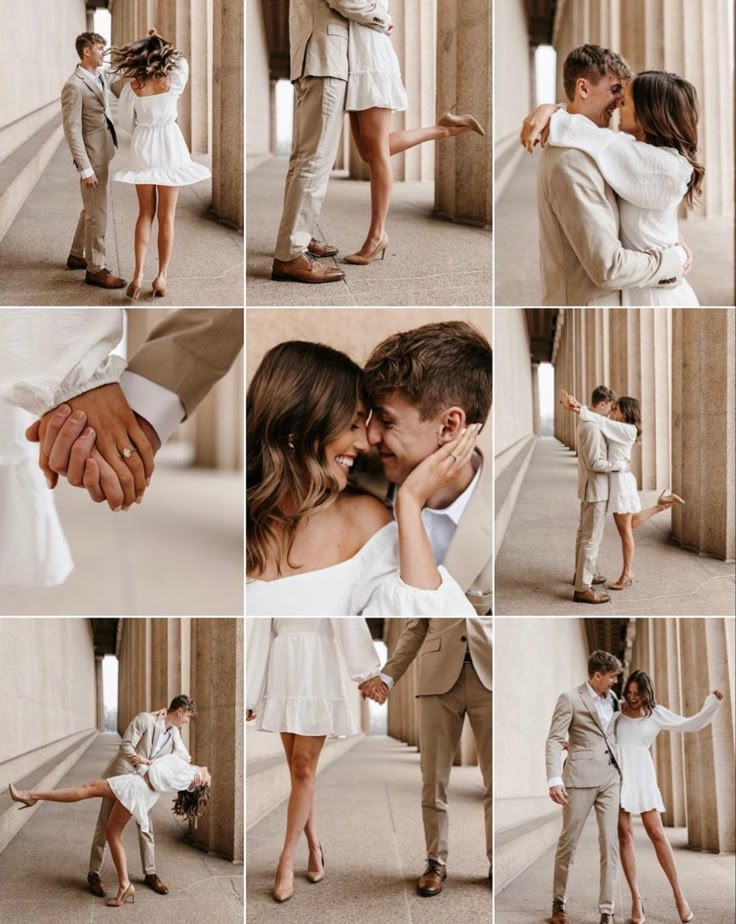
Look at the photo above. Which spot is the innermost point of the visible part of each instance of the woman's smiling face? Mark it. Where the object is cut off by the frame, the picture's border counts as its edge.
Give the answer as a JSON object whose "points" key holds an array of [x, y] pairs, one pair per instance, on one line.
{"points": [[633, 697], [629, 123], [342, 451]]}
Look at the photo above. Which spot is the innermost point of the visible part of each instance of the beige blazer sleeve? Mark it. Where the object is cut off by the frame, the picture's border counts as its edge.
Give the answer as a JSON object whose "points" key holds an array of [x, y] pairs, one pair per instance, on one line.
{"points": [[71, 110], [558, 732], [407, 648], [133, 734], [578, 199], [191, 350], [365, 12]]}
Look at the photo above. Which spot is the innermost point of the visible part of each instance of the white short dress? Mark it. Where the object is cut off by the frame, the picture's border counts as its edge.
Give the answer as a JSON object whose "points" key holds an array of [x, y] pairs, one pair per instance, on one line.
{"points": [[368, 584], [623, 496], [650, 184], [374, 75], [167, 774], [158, 153], [298, 672], [634, 737]]}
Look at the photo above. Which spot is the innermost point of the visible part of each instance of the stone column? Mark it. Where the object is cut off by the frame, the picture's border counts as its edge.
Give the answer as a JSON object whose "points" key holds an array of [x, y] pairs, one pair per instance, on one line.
{"points": [[703, 472], [99, 694], [707, 652], [227, 130], [535, 399], [464, 164], [217, 732], [669, 758], [218, 439]]}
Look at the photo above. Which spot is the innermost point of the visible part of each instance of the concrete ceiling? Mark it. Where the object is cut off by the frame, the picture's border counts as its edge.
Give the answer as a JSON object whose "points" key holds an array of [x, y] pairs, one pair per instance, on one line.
{"points": [[541, 324], [541, 20], [276, 21], [105, 634], [97, 4]]}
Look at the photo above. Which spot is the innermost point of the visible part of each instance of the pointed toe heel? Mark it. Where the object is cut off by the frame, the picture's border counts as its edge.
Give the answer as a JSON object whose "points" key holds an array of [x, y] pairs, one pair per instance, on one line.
{"points": [[359, 260], [127, 896]]}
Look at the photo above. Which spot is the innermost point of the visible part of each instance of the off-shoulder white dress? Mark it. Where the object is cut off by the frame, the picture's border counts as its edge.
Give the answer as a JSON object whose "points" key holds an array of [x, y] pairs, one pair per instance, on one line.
{"points": [[649, 183], [298, 672], [623, 494], [374, 75], [368, 584], [634, 737], [167, 774]]}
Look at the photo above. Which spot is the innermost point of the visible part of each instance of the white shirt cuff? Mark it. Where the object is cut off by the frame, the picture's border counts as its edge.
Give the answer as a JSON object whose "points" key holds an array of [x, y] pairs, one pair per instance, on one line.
{"points": [[160, 407], [389, 681], [555, 781], [87, 172]]}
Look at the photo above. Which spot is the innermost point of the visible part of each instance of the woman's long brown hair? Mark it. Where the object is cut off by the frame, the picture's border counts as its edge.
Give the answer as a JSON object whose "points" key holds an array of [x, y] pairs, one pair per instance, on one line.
{"points": [[191, 803], [302, 395], [150, 57], [630, 412], [667, 112], [646, 689]]}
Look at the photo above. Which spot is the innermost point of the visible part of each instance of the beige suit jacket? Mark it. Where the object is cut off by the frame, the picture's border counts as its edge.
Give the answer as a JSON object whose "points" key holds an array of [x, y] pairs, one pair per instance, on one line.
{"points": [[141, 738], [318, 34], [84, 108], [190, 350], [440, 644], [593, 464], [582, 259], [591, 750]]}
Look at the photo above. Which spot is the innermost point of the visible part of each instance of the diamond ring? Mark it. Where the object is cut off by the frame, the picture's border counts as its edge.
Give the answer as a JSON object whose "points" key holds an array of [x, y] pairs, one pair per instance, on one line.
{"points": [[127, 453]]}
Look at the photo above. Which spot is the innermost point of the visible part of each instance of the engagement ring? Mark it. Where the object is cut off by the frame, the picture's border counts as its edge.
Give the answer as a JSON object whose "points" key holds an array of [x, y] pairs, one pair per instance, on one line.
{"points": [[127, 453]]}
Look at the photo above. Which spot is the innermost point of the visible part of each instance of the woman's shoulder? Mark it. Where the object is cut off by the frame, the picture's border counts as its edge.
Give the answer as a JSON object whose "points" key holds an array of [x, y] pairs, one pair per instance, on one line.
{"points": [[363, 514]]}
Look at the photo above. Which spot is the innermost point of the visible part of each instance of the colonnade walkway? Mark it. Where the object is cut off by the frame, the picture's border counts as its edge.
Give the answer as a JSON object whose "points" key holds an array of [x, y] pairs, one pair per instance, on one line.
{"points": [[370, 825], [517, 246], [706, 879], [428, 261], [534, 566], [206, 266], [43, 870]]}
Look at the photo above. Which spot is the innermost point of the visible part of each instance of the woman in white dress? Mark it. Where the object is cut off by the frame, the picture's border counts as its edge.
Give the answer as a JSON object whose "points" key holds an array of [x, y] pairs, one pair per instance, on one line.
{"points": [[298, 673], [158, 162], [374, 92], [639, 723], [134, 795], [312, 547], [652, 165], [621, 431]]}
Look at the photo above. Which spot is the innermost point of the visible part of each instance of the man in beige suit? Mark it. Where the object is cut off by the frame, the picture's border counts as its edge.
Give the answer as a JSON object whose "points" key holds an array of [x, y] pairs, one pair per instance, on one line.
{"points": [[318, 38], [90, 134], [585, 718], [425, 385], [593, 470], [454, 680], [582, 259], [149, 736]]}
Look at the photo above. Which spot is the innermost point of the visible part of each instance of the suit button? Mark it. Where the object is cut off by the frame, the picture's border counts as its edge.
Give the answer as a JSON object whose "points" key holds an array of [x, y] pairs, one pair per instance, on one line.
{"points": [[463, 638]]}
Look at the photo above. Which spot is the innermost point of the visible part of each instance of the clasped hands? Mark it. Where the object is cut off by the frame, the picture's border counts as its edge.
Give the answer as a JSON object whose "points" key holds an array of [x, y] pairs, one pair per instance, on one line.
{"points": [[84, 440], [374, 689]]}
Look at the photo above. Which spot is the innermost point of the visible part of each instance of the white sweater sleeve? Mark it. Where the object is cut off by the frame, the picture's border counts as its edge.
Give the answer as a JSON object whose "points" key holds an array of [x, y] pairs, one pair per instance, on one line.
{"points": [[614, 430], [258, 637], [670, 721], [642, 174], [50, 355], [354, 641]]}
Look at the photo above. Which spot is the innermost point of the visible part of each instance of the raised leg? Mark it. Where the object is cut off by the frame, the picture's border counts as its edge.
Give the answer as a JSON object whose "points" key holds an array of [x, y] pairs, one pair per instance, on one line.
{"points": [[642, 516], [146, 211], [99, 789]]}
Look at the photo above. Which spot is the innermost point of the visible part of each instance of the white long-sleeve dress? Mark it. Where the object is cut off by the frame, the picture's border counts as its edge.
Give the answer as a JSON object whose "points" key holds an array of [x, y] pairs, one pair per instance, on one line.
{"points": [[649, 183], [623, 495], [298, 672], [166, 774], [368, 584], [374, 75], [634, 737]]}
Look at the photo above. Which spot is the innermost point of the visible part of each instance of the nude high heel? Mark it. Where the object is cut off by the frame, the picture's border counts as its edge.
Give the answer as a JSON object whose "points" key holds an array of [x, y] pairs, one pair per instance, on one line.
{"points": [[317, 877], [133, 291], [450, 120], [360, 260], [620, 585], [667, 498], [643, 917], [159, 287], [283, 895], [127, 896], [18, 795]]}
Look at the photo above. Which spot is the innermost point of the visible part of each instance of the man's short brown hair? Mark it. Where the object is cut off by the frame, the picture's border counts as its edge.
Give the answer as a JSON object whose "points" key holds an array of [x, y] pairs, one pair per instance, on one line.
{"points": [[435, 367], [183, 702], [600, 394], [602, 662], [87, 40], [592, 62]]}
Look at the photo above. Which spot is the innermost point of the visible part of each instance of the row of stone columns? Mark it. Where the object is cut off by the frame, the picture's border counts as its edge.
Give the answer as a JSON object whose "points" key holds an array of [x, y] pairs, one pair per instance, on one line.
{"points": [[203, 658], [689, 39], [687, 659]]}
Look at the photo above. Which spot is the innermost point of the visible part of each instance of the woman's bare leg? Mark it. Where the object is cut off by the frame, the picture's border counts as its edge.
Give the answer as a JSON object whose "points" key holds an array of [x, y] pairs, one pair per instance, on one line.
{"points": [[305, 752], [642, 516], [374, 132], [146, 212], [95, 790], [119, 818], [623, 524], [310, 829], [356, 133], [167, 197], [407, 138], [663, 849], [628, 860]]}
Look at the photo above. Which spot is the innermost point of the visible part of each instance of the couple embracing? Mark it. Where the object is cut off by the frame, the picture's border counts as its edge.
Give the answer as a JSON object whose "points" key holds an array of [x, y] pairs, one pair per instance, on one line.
{"points": [[414, 539], [298, 672]]}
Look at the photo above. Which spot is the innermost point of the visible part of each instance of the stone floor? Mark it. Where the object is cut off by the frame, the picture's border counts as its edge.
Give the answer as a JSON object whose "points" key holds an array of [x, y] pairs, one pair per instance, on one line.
{"points": [[180, 553], [535, 563], [369, 817], [428, 262], [43, 870], [707, 881], [517, 246], [206, 267]]}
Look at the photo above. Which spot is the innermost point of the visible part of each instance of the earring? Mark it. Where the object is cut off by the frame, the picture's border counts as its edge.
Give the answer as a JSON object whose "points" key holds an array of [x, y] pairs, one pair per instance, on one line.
{"points": [[290, 443]]}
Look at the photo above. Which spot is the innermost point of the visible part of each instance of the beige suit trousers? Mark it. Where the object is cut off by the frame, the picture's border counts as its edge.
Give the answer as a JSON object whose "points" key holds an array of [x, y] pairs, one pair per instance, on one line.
{"points": [[89, 238], [145, 842], [440, 726], [605, 799], [588, 542], [318, 118]]}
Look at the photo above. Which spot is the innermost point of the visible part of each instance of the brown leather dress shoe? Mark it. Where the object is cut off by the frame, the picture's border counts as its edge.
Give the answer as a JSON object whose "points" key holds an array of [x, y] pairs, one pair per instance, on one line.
{"points": [[104, 279], [95, 885], [597, 579], [153, 882], [589, 596], [76, 262], [430, 882], [305, 269], [320, 249], [559, 915]]}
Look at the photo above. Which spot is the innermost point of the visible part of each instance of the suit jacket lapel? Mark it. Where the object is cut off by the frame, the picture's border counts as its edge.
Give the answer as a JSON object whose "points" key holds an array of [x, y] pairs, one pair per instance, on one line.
{"points": [[93, 83], [158, 729], [590, 706]]}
